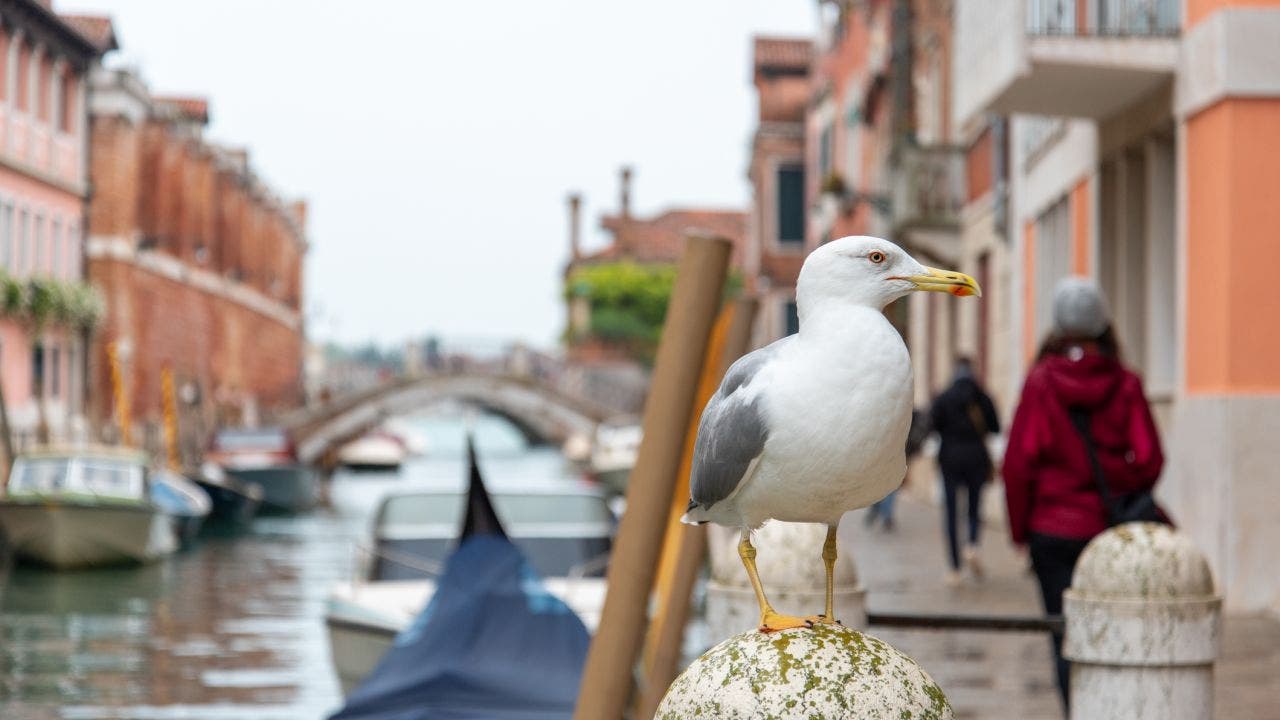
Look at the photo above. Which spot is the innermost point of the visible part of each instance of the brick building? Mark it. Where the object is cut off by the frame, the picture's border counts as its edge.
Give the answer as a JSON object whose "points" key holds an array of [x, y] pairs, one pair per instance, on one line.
{"points": [[776, 229], [44, 60], [200, 263]]}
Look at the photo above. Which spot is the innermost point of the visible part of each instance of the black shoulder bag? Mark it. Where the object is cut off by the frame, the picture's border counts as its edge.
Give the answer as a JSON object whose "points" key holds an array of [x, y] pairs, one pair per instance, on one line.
{"points": [[1134, 507]]}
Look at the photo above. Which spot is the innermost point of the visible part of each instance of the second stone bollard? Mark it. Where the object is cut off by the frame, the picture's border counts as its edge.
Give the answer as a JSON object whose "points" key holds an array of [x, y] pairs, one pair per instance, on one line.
{"points": [[1142, 626]]}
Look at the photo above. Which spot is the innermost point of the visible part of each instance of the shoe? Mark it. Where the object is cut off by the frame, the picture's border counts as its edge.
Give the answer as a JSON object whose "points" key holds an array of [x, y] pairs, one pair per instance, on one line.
{"points": [[953, 578], [973, 562]]}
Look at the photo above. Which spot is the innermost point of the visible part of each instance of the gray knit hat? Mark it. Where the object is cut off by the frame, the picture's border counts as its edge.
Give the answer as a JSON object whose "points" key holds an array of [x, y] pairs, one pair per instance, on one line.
{"points": [[1079, 310]]}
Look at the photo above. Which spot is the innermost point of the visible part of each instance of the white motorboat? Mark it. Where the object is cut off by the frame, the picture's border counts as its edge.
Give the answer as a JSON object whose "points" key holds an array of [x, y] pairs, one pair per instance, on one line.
{"points": [[613, 455], [377, 450], [84, 507], [564, 529]]}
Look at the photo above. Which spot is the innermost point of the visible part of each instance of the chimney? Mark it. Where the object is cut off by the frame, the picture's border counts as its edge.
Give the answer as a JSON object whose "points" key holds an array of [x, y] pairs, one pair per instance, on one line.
{"points": [[575, 205], [625, 201], [298, 209]]}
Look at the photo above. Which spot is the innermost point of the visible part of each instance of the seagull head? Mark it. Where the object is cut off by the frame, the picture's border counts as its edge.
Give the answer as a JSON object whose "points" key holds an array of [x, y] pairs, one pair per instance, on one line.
{"points": [[872, 272]]}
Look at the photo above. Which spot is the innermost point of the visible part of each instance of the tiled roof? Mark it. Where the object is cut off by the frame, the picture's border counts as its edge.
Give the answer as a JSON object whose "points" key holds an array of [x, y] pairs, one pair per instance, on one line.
{"points": [[789, 53], [97, 29], [192, 108], [661, 238]]}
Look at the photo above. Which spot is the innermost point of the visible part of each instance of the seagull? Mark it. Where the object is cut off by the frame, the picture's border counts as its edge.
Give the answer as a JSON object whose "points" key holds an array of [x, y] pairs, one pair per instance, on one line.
{"points": [[815, 424]]}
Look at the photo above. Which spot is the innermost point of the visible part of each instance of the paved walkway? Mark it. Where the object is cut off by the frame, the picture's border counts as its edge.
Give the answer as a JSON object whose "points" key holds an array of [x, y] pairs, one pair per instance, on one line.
{"points": [[1001, 675]]}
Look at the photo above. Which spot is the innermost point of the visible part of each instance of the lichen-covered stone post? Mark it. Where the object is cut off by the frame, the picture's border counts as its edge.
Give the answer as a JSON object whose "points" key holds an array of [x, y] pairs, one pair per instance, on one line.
{"points": [[829, 671], [790, 564], [1142, 622]]}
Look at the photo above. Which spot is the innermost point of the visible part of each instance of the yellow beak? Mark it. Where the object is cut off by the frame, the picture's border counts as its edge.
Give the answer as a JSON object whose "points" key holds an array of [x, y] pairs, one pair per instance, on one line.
{"points": [[947, 281]]}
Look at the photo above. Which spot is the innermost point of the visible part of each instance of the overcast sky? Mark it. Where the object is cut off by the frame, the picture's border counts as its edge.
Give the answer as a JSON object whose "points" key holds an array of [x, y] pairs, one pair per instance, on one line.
{"points": [[436, 141]]}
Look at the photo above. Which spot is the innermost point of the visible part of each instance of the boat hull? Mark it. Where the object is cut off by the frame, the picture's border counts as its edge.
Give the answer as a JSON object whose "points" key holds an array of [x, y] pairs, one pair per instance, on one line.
{"points": [[356, 647], [230, 504], [285, 488], [68, 535]]}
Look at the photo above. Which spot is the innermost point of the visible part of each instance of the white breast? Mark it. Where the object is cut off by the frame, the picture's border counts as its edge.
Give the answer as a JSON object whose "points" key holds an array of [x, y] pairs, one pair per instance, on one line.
{"points": [[838, 411]]}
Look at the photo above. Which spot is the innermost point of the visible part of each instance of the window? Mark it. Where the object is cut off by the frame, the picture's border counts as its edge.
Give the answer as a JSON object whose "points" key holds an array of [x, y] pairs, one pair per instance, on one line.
{"points": [[791, 205], [66, 120], [24, 78], [55, 251], [6, 236], [1053, 259], [23, 253], [42, 89], [37, 256], [55, 372], [791, 317], [37, 369], [824, 153]]}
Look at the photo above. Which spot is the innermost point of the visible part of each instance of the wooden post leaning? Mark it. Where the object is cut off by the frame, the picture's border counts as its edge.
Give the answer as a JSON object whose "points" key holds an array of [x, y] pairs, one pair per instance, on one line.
{"points": [[686, 546], [695, 299]]}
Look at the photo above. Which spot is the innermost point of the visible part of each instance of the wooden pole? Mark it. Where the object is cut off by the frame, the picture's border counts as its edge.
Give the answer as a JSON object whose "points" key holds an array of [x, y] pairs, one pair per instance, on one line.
{"points": [[686, 545], [606, 679], [170, 419]]}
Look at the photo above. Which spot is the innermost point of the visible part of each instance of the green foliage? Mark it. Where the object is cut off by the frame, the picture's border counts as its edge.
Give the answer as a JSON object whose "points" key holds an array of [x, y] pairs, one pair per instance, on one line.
{"points": [[42, 302], [629, 302]]}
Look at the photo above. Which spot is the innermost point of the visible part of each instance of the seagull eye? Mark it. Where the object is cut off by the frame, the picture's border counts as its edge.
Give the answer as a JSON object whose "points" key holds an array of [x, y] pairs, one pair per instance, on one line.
{"points": [[876, 256]]}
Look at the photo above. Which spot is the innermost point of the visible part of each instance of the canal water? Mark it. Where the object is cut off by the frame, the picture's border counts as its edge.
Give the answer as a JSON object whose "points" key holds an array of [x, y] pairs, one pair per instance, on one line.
{"points": [[233, 627]]}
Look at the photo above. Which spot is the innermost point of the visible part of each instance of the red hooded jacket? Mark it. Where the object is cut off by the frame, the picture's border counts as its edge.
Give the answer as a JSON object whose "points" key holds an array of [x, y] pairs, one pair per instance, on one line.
{"points": [[1049, 484]]}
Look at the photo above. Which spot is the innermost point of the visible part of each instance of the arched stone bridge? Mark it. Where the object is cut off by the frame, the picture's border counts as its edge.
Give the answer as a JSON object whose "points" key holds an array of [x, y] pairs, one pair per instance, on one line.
{"points": [[543, 412]]}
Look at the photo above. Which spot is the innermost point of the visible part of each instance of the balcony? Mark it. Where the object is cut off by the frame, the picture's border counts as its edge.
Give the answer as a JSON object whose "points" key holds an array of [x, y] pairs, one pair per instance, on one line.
{"points": [[927, 192], [1069, 58]]}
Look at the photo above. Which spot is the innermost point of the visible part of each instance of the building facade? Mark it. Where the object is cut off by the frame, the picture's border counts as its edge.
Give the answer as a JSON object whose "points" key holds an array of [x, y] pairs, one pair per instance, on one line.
{"points": [[44, 60], [778, 217], [1140, 154], [200, 263]]}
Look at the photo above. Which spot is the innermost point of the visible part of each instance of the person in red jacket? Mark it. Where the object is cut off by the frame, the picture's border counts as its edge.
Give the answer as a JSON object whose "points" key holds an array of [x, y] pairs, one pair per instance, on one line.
{"points": [[1050, 488]]}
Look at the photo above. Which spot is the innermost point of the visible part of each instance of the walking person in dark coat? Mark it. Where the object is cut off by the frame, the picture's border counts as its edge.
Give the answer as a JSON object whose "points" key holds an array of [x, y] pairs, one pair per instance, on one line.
{"points": [[963, 415]]}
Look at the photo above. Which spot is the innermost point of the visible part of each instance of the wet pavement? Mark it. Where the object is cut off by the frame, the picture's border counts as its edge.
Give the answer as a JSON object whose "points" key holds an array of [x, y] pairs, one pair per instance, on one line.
{"points": [[1002, 675]]}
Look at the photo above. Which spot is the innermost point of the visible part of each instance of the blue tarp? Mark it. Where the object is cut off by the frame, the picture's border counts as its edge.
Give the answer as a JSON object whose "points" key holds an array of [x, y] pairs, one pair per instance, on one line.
{"points": [[492, 644]]}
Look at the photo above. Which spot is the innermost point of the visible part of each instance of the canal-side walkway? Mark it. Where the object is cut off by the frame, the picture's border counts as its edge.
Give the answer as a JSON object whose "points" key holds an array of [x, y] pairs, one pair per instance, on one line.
{"points": [[999, 676]]}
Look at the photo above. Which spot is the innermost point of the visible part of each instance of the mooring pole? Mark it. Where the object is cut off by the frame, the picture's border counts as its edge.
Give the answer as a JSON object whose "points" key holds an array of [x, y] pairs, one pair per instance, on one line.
{"points": [[695, 299], [685, 547]]}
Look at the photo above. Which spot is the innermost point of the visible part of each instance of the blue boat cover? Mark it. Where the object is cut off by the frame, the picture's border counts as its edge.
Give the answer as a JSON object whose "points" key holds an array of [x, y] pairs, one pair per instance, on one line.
{"points": [[492, 644]]}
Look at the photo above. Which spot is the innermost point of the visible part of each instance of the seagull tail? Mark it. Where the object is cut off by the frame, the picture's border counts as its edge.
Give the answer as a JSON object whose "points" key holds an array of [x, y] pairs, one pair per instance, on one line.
{"points": [[695, 514]]}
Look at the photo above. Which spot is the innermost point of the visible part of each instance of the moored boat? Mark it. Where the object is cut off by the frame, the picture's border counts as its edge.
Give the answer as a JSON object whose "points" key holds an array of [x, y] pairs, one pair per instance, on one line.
{"points": [[234, 501], [376, 450], [267, 458], [84, 507], [613, 455], [186, 504], [564, 530], [489, 622]]}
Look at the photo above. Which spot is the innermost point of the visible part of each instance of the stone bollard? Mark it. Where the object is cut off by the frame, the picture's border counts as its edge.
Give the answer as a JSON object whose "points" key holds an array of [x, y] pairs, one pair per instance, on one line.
{"points": [[1142, 623], [825, 672], [790, 564]]}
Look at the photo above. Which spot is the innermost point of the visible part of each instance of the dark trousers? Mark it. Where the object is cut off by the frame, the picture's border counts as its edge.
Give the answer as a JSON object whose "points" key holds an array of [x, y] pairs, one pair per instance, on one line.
{"points": [[1054, 559], [953, 484]]}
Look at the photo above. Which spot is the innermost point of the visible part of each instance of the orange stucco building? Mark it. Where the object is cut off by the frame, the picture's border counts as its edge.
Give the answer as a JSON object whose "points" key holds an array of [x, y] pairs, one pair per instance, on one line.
{"points": [[1141, 152]]}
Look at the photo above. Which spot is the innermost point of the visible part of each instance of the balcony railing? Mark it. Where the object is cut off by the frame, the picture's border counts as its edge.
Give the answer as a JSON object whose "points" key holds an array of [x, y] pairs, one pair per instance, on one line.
{"points": [[929, 188], [1116, 18]]}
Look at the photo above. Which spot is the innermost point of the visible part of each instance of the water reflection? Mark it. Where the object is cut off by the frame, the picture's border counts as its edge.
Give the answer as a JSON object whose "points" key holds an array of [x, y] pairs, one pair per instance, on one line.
{"points": [[230, 629]]}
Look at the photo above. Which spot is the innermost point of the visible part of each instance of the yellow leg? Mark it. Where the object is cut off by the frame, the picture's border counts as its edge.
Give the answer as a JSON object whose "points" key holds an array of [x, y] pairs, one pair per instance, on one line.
{"points": [[829, 559], [770, 620]]}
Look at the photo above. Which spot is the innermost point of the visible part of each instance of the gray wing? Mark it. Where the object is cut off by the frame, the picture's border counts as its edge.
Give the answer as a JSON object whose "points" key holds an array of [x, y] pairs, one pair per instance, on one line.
{"points": [[732, 431]]}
